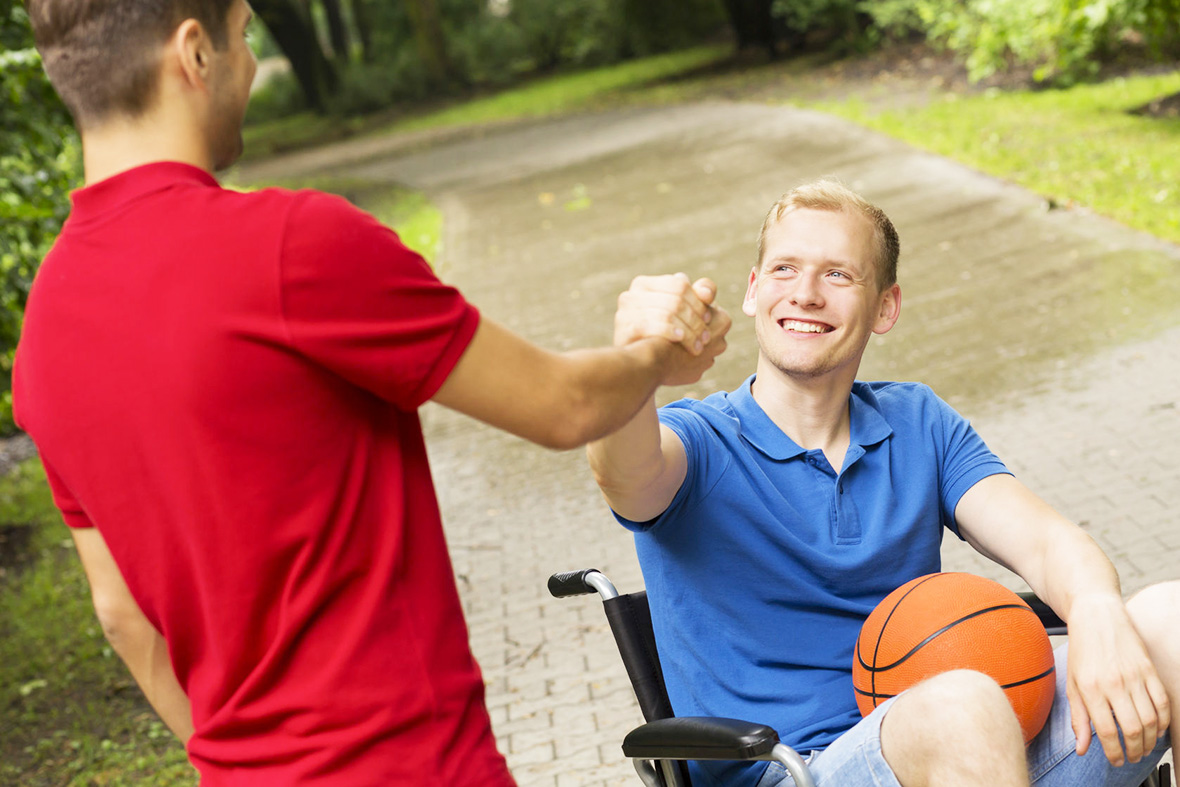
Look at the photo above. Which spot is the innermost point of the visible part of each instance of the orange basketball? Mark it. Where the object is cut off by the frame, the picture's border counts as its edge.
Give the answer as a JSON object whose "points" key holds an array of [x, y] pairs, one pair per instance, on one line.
{"points": [[949, 621]]}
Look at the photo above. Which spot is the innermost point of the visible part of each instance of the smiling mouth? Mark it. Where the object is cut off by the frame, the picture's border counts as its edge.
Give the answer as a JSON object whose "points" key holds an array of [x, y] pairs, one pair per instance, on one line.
{"points": [[800, 326]]}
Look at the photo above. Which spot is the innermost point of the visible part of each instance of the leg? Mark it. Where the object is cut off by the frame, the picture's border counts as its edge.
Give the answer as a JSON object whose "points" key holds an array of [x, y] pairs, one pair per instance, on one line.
{"points": [[956, 728], [1052, 755], [1155, 611]]}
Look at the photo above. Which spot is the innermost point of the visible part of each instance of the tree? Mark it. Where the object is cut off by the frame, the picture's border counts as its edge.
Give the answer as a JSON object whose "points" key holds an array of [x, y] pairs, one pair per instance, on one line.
{"points": [[293, 30], [40, 161], [428, 37], [753, 24]]}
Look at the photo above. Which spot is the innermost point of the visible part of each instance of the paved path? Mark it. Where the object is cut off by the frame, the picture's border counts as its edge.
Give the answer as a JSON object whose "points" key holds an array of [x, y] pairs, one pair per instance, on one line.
{"points": [[1054, 331]]}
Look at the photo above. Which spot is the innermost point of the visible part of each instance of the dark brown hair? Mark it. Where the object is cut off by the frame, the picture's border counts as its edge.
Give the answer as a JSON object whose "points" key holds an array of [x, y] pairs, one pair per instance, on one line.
{"points": [[830, 194], [102, 55]]}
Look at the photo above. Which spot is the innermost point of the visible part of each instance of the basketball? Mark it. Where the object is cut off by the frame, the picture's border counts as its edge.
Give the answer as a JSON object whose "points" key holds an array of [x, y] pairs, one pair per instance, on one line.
{"points": [[949, 621]]}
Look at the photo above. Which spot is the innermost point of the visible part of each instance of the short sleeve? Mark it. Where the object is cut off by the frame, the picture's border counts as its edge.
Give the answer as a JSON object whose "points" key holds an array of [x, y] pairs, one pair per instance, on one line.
{"points": [[966, 459], [704, 466], [361, 304], [71, 510]]}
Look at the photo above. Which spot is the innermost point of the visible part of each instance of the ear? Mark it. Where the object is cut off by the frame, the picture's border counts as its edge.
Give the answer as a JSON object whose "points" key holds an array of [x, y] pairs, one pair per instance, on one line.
{"points": [[889, 311], [749, 304], [191, 48]]}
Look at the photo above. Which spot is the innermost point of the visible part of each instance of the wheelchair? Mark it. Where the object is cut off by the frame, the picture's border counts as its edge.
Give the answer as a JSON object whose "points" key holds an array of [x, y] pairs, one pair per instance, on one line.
{"points": [[660, 747]]}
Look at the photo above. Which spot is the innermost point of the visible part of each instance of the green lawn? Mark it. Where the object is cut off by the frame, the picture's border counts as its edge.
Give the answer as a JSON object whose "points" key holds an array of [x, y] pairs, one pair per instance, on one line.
{"points": [[70, 713], [1077, 146]]}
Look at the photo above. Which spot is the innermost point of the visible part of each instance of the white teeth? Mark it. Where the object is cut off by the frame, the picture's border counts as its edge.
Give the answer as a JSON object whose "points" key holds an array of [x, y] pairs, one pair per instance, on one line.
{"points": [[803, 327]]}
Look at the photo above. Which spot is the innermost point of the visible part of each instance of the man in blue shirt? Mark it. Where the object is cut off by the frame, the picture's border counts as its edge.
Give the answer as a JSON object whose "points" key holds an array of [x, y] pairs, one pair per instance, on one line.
{"points": [[771, 520]]}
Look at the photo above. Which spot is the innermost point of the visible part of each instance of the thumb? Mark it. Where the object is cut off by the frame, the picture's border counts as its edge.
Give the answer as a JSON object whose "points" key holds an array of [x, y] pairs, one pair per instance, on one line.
{"points": [[705, 289]]}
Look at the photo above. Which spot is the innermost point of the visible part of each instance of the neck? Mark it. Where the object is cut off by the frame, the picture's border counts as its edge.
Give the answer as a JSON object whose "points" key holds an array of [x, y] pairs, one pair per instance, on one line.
{"points": [[812, 411], [125, 143]]}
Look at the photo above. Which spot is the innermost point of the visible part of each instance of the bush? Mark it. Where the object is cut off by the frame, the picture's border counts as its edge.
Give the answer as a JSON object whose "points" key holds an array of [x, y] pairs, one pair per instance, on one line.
{"points": [[1061, 41], [40, 161]]}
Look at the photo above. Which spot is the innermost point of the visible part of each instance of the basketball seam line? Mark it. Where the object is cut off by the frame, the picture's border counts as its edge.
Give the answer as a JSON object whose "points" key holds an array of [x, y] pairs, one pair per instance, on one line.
{"points": [[943, 630], [1005, 687], [881, 633]]}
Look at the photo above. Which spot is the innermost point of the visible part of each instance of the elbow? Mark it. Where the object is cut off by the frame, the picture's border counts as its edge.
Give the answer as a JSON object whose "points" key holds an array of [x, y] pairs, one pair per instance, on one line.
{"points": [[568, 432], [119, 625], [571, 422]]}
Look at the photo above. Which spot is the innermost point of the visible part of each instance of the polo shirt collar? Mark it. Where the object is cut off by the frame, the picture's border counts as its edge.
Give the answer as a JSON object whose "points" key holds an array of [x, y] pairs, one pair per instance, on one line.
{"points": [[868, 426], [118, 189]]}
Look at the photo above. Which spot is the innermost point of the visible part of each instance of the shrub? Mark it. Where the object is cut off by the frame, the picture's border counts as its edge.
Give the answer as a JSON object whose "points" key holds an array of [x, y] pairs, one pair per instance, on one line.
{"points": [[1061, 41], [40, 161]]}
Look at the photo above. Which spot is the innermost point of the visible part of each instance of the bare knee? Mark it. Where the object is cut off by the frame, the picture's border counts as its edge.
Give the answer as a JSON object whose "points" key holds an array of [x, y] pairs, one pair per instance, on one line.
{"points": [[951, 728], [956, 703], [1155, 611]]}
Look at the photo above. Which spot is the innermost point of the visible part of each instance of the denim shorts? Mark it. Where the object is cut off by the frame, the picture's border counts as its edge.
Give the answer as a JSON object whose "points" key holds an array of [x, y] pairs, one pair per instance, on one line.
{"points": [[855, 759]]}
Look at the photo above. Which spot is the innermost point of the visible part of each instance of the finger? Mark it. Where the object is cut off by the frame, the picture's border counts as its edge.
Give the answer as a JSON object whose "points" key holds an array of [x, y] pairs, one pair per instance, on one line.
{"points": [[1163, 708], [1135, 721], [1079, 719], [721, 322], [705, 289], [1107, 731], [676, 284]]}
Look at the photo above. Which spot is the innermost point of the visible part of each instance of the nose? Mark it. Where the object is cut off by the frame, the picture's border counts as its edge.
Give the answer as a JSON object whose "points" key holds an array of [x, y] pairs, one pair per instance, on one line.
{"points": [[806, 292]]}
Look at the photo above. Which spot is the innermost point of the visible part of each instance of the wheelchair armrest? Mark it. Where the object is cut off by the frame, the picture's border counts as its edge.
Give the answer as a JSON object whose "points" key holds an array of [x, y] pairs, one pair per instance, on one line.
{"points": [[699, 738], [1053, 624]]}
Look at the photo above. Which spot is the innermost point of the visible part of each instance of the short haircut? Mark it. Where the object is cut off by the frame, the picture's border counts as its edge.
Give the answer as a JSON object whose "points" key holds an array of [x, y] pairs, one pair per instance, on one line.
{"points": [[101, 55], [829, 194]]}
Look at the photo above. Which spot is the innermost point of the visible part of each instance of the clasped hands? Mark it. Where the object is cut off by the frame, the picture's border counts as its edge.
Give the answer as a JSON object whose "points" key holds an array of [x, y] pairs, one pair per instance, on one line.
{"points": [[680, 311]]}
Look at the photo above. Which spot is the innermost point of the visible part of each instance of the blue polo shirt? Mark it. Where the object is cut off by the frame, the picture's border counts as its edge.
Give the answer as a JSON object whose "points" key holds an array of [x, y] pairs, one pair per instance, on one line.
{"points": [[764, 567]]}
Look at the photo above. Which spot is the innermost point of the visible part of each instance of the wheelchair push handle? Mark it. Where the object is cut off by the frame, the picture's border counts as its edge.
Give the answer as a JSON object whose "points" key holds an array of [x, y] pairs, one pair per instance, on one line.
{"points": [[580, 583]]}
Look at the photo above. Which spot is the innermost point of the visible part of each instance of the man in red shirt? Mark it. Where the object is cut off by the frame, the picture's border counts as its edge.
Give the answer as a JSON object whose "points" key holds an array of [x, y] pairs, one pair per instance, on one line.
{"points": [[224, 391]]}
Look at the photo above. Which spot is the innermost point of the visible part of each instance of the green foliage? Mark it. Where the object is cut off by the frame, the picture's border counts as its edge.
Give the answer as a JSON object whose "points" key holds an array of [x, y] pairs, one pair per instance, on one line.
{"points": [[40, 161], [1061, 41], [70, 712], [1074, 146], [561, 32], [496, 44], [834, 22]]}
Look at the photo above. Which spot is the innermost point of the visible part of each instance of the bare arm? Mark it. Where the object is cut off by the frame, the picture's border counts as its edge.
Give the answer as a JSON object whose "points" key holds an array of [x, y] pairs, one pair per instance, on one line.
{"points": [[642, 466], [564, 400], [1111, 677], [132, 636]]}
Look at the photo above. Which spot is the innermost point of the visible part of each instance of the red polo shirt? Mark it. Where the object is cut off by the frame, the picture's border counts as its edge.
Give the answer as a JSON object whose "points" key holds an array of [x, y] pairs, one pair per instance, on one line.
{"points": [[225, 384]]}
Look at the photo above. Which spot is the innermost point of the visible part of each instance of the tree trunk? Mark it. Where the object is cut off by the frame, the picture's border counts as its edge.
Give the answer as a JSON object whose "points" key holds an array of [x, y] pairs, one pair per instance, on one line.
{"points": [[428, 37], [336, 30], [293, 32], [360, 21], [753, 24]]}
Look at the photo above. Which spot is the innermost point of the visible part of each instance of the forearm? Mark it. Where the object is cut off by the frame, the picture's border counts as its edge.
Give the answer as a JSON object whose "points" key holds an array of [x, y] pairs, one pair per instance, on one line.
{"points": [[1077, 572], [612, 389], [1008, 523], [559, 400], [145, 653]]}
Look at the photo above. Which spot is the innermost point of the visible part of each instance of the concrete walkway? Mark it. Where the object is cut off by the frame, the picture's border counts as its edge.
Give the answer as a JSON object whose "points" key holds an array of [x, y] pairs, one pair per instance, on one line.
{"points": [[1056, 332]]}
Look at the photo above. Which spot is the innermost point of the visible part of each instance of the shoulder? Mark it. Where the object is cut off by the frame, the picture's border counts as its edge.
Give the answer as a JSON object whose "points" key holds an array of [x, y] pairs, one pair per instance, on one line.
{"points": [[900, 398], [907, 407], [714, 412]]}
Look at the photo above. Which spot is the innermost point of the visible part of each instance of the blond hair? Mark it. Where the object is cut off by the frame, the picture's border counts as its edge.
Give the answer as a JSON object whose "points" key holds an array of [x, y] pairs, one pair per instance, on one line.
{"points": [[832, 195]]}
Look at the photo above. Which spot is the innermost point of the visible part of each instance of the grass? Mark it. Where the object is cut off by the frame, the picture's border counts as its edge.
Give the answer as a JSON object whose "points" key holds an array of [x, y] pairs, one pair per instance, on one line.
{"points": [[1075, 146], [70, 713], [542, 97]]}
